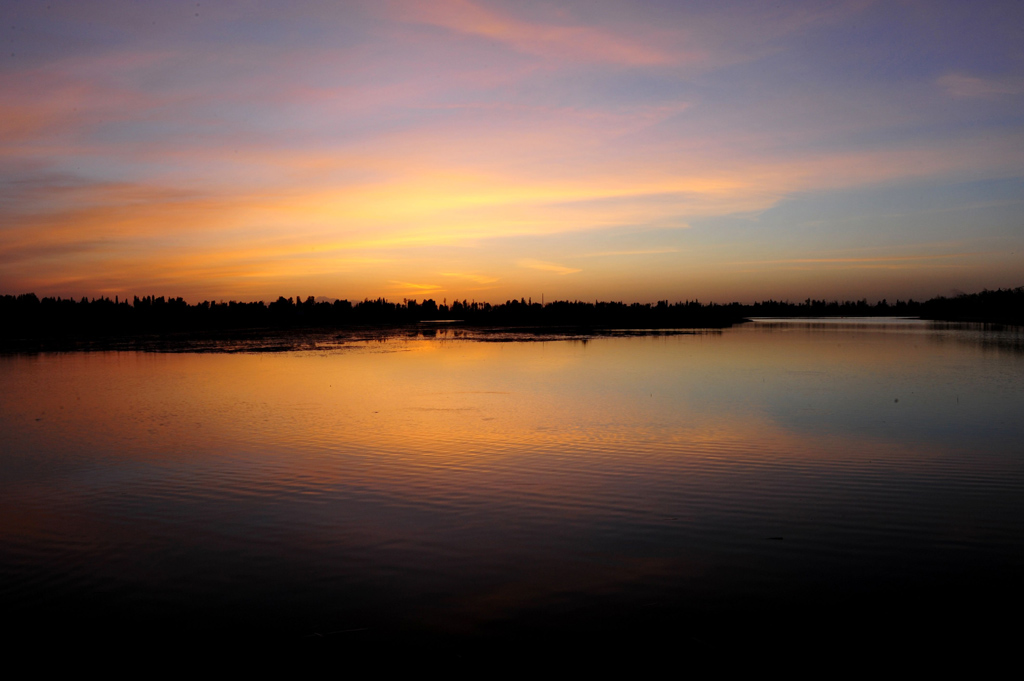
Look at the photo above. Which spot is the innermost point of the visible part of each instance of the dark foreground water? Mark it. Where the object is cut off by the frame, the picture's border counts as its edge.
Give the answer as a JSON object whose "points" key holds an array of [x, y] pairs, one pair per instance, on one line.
{"points": [[774, 486]]}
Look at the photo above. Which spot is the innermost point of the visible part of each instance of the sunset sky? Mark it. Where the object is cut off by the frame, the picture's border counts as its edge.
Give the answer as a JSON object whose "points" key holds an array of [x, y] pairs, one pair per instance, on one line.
{"points": [[485, 150]]}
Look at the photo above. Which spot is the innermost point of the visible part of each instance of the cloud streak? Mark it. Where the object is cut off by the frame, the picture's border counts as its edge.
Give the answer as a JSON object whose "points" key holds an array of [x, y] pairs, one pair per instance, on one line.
{"points": [[964, 85], [614, 254], [544, 266], [559, 41]]}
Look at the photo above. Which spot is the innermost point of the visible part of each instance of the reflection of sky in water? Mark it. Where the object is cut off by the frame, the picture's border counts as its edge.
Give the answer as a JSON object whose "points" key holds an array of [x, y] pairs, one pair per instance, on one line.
{"points": [[903, 384], [455, 482]]}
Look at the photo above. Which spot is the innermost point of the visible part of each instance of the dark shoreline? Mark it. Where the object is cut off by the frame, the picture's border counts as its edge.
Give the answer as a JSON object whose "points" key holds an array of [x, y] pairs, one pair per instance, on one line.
{"points": [[320, 339], [158, 324]]}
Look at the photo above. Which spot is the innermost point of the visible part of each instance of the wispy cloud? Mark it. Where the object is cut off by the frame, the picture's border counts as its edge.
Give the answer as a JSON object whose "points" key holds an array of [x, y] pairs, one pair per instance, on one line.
{"points": [[564, 41], [648, 251], [51, 251], [960, 84], [476, 278], [887, 261], [410, 287], [544, 266]]}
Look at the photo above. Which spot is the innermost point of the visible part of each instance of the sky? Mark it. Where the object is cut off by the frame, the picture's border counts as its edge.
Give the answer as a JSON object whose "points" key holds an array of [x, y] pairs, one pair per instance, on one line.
{"points": [[487, 150]]}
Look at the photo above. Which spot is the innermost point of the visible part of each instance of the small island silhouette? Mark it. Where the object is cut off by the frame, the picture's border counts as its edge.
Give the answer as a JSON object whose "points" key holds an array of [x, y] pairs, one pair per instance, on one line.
{"points": [[31, 324]]}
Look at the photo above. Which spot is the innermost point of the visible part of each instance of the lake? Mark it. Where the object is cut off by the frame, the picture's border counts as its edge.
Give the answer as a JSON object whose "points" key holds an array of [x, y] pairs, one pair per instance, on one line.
{"points": [[836, 481]]}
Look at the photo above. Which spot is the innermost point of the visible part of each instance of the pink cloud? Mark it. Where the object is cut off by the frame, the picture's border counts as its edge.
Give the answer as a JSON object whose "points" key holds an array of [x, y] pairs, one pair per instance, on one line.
{"points": [[568, 42], [964, 85]]}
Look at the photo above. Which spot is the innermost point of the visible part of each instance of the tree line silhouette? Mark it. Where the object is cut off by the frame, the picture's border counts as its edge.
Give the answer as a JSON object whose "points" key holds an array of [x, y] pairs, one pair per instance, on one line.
{"points": [[28, 317]]}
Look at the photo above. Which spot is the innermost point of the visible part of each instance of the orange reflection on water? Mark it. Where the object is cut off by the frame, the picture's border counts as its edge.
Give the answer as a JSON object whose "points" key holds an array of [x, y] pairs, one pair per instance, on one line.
{"points": [[431, 405], [448, 483]]}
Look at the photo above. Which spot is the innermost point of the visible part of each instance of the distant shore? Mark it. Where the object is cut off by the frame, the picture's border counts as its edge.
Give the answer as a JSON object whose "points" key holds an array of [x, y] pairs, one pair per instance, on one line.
{"points": [[158, 324]]}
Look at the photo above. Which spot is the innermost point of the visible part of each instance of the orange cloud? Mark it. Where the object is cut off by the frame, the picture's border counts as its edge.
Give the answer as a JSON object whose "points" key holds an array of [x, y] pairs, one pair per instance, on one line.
{"points": [[609, 254], [416, 289], [532, 264], [476, 278]]}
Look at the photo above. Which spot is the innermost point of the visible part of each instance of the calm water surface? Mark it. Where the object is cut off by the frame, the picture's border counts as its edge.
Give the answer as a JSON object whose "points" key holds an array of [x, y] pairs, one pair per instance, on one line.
{"points": [[770, 479]]}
